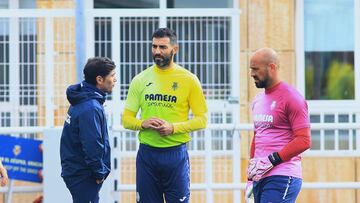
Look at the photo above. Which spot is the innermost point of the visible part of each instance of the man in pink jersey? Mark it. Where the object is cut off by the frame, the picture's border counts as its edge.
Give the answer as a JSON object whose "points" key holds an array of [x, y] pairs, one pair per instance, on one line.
{"points": [[281, 133]]}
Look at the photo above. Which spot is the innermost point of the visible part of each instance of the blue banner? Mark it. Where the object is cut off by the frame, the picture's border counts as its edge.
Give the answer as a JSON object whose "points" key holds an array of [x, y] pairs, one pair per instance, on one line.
{"points": [[21, 157]]}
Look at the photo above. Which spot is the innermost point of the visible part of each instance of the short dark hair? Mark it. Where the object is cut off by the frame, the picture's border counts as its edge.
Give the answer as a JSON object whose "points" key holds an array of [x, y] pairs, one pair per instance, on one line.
{"points": [[97, 66], [165, 32]]}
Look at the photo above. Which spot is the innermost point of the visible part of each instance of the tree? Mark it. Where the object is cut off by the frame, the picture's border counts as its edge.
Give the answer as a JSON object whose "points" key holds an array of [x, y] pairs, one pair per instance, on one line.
{"points": [[340, 81]]}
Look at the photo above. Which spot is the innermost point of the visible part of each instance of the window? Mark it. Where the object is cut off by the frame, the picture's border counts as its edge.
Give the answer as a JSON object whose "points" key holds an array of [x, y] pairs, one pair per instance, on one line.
{"points": [[22, 4], [28, 64], [27, 3], [199, 4], [329, 49], [4, 4], [103, 37], [4, 60], [21, 89], [126, 4], [5, 119]]}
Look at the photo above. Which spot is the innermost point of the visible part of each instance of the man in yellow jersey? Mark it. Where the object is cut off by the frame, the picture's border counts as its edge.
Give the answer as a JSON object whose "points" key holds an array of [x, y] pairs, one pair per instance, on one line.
{"points": [[165, 92]]}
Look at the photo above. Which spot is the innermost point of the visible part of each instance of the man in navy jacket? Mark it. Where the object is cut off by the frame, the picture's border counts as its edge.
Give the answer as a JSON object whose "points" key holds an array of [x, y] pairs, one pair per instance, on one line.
{"points": [[84, 147]]}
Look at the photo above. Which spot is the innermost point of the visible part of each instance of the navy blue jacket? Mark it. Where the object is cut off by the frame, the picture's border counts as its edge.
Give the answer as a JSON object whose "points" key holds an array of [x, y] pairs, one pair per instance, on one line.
{"points": [[84, 145]]}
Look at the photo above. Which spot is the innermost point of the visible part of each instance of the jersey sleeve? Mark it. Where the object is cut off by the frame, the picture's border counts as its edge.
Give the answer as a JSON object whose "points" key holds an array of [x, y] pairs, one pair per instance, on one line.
{"points": [[300, 143], [132, 102], [129, 120], [198, 107], [132, 106], [298, 113]]}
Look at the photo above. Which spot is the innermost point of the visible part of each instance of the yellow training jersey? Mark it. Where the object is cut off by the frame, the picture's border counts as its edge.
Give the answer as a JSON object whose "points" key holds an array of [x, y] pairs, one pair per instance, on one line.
{"points": [[169, 95]]}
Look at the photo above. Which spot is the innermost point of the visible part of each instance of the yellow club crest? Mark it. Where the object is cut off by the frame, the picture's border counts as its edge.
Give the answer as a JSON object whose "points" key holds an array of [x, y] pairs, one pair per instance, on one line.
{"points": [[17, 150]]}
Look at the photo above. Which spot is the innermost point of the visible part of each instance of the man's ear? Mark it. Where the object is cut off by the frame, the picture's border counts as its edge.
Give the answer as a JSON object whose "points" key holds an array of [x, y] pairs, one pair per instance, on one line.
{"points": [[273, 66], [99, 79], [176, 49]]}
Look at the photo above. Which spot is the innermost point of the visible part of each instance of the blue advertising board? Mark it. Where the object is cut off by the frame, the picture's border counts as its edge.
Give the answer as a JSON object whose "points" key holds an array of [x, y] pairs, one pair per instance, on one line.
{"points": [[21, 157]]}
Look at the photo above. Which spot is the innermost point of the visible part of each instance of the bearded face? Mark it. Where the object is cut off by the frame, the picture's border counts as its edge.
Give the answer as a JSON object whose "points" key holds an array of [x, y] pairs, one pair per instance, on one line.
{"points": [[163, 60], [163, 51], [261, 81]]}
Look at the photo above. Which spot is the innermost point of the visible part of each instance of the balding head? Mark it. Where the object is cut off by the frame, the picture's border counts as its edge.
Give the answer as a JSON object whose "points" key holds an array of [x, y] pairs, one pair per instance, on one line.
{"points": [[264, 64], [266, 56]]}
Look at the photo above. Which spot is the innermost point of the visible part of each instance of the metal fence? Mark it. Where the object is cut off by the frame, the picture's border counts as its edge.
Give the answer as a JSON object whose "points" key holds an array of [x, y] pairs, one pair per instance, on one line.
{"points": [[37, 59]]}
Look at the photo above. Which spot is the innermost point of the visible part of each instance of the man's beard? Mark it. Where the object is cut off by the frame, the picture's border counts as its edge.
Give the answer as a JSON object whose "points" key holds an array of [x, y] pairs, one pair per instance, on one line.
{"points": [[163, 61], [261, 84]]}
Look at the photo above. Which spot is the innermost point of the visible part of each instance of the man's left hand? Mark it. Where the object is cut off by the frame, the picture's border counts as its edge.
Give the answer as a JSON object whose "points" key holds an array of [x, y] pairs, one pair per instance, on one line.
{"points": [[165, 129]]}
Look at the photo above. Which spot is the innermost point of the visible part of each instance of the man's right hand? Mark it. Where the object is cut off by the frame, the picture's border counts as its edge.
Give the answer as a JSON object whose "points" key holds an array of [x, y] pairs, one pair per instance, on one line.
{"points": [[99, 181], [258, 167], [3, 175], [152, 123]]}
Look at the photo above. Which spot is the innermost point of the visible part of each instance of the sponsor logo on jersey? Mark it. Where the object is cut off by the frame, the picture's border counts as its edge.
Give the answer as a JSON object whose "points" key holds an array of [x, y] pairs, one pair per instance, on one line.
{"points": [[160, 97], [263, 118], [263, 121]]}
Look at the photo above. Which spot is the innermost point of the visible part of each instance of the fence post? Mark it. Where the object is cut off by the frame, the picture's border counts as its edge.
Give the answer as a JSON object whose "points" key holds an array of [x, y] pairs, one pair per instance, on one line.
{"points": [[49, 71], [236, 164], [208, 167], [10, 191]]}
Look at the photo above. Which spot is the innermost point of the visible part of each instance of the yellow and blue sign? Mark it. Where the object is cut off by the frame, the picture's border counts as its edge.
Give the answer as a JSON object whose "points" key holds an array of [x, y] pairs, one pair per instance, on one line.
{"points": [[21, 157]]}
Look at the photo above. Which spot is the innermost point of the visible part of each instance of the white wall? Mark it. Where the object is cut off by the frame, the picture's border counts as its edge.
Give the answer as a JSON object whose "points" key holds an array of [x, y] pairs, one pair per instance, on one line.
{"points": [[55, 190]]}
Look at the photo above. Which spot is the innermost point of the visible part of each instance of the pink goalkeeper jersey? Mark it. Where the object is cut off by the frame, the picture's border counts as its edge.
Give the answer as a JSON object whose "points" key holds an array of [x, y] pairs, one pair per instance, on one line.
{"points": [[277, 113]]}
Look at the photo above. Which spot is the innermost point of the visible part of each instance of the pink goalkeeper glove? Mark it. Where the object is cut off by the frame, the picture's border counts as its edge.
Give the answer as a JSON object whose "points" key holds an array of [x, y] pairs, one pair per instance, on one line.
{"points": [[260, 166]]}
